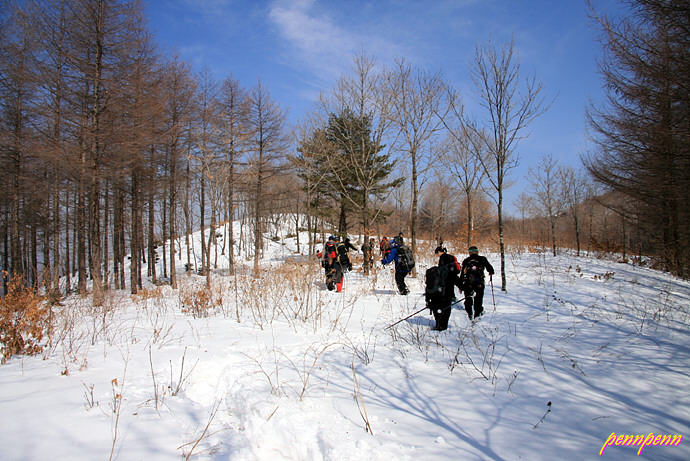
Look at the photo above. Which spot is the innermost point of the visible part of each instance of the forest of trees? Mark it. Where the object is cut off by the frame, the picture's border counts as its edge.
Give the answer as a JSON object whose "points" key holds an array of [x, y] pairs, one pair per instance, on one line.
{"points": [[111, 147], [642, 132]]}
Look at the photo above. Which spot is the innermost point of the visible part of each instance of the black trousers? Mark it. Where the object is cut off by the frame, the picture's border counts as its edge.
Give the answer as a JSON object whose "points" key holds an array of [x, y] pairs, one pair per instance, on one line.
{"points": [[334, 275], [400, 281], [442, 316], [474, 306]]}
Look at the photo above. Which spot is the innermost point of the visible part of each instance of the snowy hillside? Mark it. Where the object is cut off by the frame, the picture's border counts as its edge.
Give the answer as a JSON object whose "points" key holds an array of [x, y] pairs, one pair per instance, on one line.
{"points": [[282, 369]]}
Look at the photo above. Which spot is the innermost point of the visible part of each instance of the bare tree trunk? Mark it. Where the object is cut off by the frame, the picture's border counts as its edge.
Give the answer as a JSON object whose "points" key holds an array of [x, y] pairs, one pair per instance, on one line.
{"points": [[258, 223], [164, 233], [211, 240], [501, 240], [202, 212], [118, 251], [68, 241], [470, 217], [80, 230], [135, 244], [106, 225], [151, 235], [172, 197], [188, 219]]}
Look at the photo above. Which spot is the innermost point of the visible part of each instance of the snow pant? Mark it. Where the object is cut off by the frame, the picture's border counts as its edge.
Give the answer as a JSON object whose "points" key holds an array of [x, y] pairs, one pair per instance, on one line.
{"points": [[474, 305], [400, 281], [441, 315]]}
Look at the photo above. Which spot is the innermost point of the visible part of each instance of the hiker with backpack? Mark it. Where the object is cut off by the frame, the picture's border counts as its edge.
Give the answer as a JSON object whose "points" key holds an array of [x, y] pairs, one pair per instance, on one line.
{"points": [[404, 263], [331, 266], [472, 278], [385, 247], [339, 263], [441, 281], [342, 254]]}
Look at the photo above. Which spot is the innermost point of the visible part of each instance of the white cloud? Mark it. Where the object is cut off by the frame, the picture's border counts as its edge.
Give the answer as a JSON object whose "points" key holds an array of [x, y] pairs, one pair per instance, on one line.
{"points": [[313, 38]]}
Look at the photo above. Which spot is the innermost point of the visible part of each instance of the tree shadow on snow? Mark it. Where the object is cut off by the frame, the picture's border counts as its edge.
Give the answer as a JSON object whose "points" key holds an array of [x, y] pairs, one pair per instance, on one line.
{"points": [[413, 401]]}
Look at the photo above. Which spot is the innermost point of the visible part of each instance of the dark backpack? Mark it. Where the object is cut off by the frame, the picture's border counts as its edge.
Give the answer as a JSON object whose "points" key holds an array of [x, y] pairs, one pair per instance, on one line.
{"points": [[405, 258], [343, 257], [474, 274], [435, 279]]}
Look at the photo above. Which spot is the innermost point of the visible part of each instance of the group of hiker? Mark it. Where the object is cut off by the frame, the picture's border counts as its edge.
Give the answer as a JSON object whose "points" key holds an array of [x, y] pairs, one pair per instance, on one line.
{"points": [[440, 280]]}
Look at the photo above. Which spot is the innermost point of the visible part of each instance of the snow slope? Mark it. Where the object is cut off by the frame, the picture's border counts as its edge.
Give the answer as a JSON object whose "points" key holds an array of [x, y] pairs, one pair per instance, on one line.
{"points": [[282, 369]]}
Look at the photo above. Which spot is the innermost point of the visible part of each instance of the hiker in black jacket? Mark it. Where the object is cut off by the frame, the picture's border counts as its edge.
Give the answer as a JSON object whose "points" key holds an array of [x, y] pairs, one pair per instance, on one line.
{"points": [[472, 278], [440, 305]]}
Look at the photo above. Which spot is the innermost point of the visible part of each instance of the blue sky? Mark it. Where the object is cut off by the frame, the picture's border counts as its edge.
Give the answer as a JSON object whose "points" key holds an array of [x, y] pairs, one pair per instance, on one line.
{"points": [[300, 47]]}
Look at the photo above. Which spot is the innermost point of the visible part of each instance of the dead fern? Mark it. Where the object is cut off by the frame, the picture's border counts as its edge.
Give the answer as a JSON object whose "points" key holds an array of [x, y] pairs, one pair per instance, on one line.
{"points": [[24, 319]]}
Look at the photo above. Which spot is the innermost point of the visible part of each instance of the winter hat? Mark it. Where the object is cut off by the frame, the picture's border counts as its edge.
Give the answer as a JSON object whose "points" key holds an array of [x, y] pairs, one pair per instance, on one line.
{"points": [[473, 249], [440, 249]]}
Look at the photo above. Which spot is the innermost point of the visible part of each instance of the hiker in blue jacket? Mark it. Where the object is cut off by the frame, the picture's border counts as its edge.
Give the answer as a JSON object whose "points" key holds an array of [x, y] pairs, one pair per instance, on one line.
{"points": [[400, 272]]}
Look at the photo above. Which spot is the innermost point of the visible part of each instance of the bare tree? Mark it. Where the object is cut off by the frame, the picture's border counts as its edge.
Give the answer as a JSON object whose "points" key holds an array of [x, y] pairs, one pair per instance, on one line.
{"points": [[206, 141], [17, 89], [416, 111], [178, 91], [462, 158], [526, 207], [438, 199], [267, 145], [234, 107], [576, 191], [547, 190], [508, 112]]}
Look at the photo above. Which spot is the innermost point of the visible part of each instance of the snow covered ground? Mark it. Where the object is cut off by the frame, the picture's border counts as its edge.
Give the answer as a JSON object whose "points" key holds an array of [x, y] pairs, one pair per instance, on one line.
{"points": [[282, 369]]}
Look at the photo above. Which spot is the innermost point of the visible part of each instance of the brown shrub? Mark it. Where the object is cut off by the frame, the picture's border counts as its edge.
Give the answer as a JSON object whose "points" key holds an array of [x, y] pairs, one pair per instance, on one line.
{"points": [[24, 319], [199, 301]]}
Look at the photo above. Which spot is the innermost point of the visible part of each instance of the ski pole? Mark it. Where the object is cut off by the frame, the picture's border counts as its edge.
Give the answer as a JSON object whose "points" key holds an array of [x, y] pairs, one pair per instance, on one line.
{"points": [[491, 279]]}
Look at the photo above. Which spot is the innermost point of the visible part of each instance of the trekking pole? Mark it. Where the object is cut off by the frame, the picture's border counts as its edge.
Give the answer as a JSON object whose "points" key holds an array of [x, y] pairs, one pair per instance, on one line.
{"points": [[420, 310], [491, 279], [459, 301], [401, 320]]}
